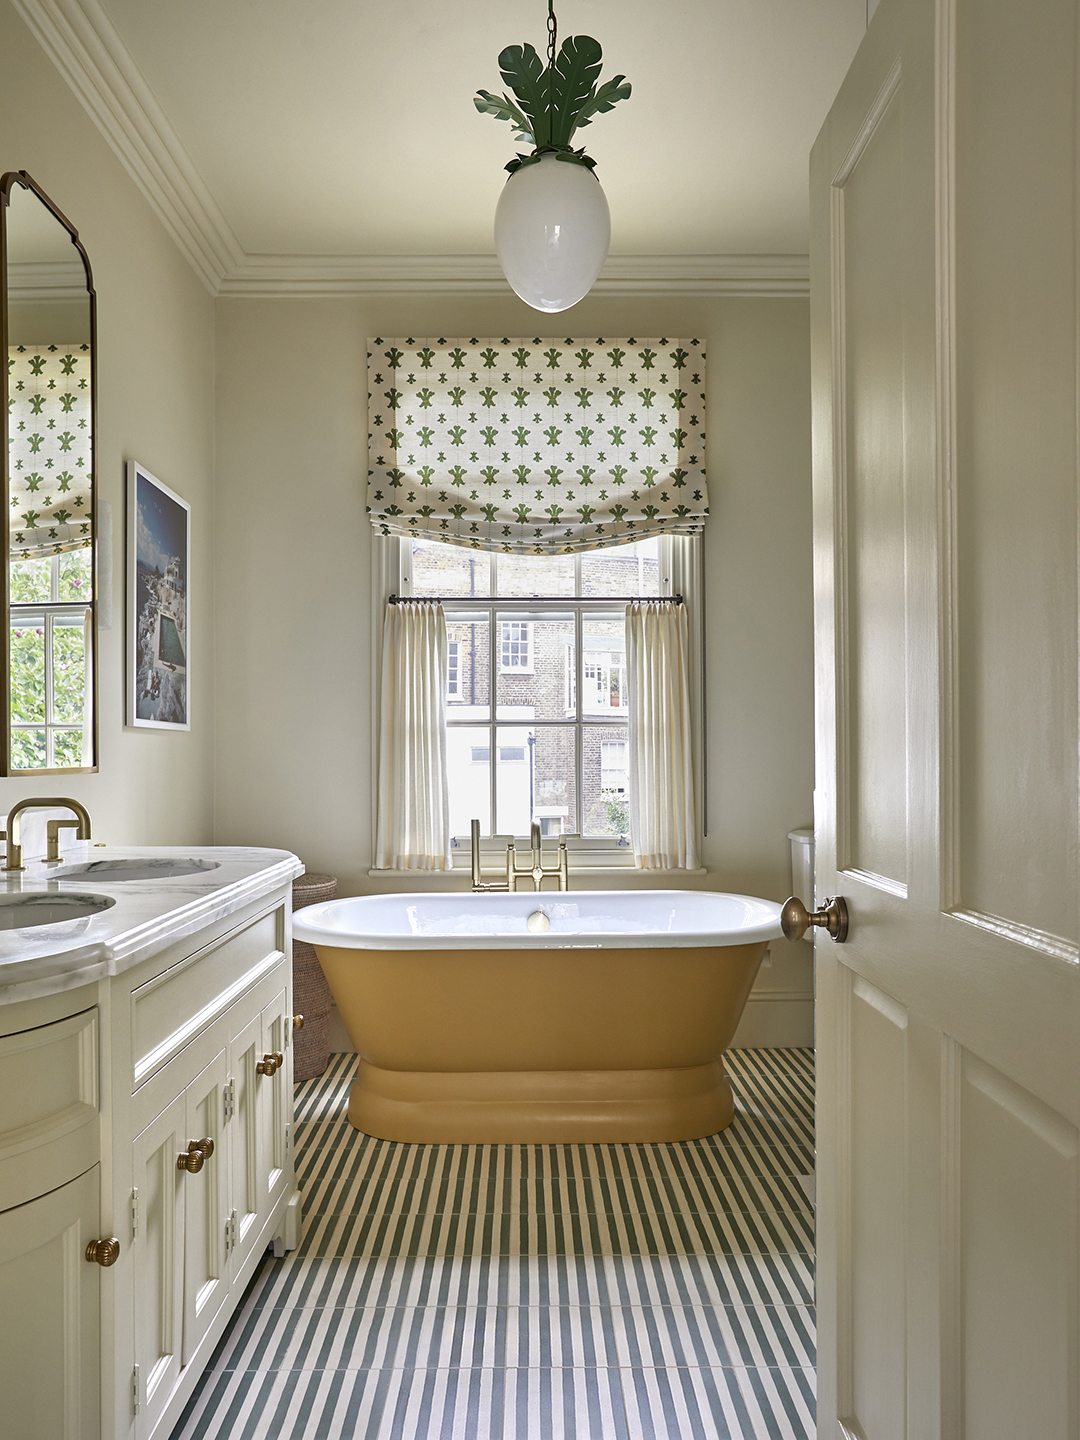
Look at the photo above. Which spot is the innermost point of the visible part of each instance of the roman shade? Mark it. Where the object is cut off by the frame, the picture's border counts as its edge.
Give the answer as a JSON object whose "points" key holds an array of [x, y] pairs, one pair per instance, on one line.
{"points": [[49, 475], [536, 446]]}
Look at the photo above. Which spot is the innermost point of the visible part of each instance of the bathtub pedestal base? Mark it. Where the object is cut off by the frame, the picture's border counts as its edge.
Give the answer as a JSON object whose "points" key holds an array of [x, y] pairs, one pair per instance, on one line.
{"points": [[541, 1107]]}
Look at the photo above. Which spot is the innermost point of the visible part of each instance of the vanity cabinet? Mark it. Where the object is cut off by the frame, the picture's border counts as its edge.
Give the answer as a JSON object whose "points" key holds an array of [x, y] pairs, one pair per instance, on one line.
{"points": [[104, 1111], [50, 1365]]}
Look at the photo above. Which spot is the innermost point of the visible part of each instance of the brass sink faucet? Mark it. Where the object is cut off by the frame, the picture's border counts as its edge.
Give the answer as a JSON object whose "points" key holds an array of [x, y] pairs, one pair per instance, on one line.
{"points": [[81, 826]]}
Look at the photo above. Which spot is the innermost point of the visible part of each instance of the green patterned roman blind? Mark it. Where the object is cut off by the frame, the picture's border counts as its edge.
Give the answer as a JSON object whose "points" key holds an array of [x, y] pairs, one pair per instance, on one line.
{"points": [[49, 475], [537, 446]]}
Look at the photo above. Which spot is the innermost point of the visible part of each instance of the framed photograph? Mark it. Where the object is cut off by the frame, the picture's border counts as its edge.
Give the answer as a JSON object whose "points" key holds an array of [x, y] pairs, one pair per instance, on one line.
{"points": [[159, 616]]}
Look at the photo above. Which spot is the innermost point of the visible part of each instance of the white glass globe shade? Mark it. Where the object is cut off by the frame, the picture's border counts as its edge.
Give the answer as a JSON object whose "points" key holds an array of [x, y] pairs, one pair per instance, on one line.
{"points": [[552, 231]]}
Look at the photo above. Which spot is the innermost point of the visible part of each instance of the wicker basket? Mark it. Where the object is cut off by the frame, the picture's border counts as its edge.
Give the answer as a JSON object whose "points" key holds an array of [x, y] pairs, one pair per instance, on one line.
{"points": [[311, 993]]}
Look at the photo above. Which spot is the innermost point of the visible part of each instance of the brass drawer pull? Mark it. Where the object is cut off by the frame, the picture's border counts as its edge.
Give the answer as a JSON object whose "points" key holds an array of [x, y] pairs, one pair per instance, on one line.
{"points": [[104, 1252], [192, 1160], [298, 1022], [269, 1064], [206, 1146]]}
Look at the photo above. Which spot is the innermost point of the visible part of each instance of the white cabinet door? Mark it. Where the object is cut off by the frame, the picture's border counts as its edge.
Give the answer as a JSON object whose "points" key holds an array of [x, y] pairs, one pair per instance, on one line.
{"points": [[245, 1192], [206, 1212], [49, 1303], [274, 1097], [944, 321], [158, 1260]]}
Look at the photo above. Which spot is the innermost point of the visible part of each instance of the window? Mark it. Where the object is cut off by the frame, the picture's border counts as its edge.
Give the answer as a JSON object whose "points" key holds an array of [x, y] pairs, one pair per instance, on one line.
{"points": [[614, 767], [537, 681], [50, 659], [515, 648]]}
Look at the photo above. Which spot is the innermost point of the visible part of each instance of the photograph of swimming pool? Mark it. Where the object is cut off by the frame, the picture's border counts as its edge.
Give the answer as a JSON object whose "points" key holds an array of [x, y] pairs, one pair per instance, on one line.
{"points": [[159, 543]]}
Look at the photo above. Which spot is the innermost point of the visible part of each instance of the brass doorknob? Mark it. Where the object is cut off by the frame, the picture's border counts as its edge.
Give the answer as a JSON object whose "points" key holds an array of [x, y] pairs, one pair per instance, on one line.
{"points": [[268, 1065], [192, 1160], [795, 919], [298, 1022], [104, 1252]]}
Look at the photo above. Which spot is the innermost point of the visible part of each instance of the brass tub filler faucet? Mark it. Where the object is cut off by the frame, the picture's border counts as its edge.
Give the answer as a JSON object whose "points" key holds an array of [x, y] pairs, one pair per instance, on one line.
{"points": [[537, 871], [13, 836]]}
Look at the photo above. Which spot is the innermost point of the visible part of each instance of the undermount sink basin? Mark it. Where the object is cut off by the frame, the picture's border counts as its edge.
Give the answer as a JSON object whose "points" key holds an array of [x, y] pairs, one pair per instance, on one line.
{"points": [[23, 912], [110, 870]]}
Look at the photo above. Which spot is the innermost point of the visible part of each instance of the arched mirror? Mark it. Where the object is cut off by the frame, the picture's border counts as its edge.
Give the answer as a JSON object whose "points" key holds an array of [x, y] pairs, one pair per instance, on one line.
{"points": [[48, 686]]}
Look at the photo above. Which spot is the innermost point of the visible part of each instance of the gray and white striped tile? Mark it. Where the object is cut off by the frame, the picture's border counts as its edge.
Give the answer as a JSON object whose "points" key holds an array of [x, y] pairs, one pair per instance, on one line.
{"points": [[535, 1292]]}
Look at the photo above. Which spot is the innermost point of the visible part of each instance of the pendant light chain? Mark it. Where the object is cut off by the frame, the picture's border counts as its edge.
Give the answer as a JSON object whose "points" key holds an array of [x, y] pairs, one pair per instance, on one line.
{"points": [[553, 34]]}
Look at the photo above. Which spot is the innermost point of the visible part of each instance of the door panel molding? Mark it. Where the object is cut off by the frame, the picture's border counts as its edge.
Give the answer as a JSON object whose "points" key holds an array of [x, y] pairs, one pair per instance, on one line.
{"points": [[946, 447], [951, 1339], [1054, 945], [871, 641]]}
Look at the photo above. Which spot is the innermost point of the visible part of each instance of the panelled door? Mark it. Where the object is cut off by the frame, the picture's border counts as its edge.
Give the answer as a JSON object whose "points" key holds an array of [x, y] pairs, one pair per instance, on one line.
{"points": [[158, 1260], [50, 1350], [276, 1035], [206, 1209], [246, 1052], [944, 320]]}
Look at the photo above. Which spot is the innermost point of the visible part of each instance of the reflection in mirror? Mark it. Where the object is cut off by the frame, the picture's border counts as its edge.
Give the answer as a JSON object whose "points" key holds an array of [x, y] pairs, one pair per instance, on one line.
{"points": [[48, 330]]}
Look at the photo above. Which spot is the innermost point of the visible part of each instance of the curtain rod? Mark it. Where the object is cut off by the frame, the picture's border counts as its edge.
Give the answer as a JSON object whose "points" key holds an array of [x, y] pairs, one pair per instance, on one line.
{"points": [[556, 601]]}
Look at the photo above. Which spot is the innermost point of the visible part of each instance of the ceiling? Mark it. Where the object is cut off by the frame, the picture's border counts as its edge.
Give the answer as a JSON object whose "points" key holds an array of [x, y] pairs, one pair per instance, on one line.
{"points": [[344, 127]]}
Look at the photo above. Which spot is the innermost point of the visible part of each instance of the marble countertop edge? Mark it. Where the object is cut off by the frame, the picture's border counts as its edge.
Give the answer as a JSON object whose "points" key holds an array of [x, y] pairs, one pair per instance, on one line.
{"points": [[176, 914]]}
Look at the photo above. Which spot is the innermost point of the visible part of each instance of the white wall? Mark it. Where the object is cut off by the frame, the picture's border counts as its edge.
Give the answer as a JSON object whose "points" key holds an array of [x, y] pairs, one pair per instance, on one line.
{"points": [[293, 582], [155, 403]]}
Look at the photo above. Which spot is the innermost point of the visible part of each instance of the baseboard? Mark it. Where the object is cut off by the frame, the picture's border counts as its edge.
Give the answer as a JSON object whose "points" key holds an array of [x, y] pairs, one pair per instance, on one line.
{"points": [[774, 1020]]}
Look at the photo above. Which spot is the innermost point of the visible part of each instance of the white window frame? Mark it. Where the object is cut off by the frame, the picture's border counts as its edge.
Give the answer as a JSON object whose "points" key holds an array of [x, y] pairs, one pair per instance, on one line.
{"points": [[453, 669], [45, 615], [507, 644], [681, 572]]}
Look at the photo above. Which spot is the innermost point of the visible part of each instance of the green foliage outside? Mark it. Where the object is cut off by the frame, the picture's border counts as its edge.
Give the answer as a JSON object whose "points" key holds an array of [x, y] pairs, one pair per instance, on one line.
{"points": [[610, 815], [65, 579]]}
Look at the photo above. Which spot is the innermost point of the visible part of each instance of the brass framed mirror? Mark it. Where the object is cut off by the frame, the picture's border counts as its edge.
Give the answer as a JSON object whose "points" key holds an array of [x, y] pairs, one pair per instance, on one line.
{"points": [[48, 683]]}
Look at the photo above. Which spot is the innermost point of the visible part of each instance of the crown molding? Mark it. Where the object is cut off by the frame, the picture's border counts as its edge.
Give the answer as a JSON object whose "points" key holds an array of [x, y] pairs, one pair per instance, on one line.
{"points": [[88, 51], [296, 276]]}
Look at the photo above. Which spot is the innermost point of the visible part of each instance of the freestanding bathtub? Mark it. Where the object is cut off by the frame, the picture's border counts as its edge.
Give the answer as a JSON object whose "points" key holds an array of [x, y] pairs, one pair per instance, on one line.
{"points": [[520, 1018]]}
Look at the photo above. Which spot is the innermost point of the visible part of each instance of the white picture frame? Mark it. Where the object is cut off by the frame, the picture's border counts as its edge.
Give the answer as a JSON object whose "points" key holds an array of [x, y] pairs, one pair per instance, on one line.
{"points": [[159, 603]]}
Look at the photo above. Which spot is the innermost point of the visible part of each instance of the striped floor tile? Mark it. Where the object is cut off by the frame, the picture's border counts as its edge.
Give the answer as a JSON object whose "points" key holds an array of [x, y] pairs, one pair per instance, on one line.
{"points": [[535, 1292]]}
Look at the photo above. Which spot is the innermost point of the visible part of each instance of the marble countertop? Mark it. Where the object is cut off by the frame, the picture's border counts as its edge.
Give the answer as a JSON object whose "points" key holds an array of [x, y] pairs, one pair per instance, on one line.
{"points": [[149, 914]]}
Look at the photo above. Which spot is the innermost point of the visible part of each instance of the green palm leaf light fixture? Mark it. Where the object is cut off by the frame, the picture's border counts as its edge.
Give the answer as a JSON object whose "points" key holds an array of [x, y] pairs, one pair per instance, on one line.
{"points": [[552, 223]]}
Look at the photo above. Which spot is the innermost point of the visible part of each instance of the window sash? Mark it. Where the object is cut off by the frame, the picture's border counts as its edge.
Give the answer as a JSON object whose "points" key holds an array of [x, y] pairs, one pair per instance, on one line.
{"points": [[680, 571], [47, 615]]}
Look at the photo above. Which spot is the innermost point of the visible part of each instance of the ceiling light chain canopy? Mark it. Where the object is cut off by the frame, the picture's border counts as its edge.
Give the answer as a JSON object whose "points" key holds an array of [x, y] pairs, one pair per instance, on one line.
{"points": [[552, 223]]}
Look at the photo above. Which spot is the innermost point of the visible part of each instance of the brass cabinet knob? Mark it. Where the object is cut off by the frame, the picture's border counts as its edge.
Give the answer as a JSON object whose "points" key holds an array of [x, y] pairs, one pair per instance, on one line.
{"points": [[795, 919], [268, 1065], [206, 1146], [298, 1022], [192, 1160], [104, 1252], [279, 1059]]}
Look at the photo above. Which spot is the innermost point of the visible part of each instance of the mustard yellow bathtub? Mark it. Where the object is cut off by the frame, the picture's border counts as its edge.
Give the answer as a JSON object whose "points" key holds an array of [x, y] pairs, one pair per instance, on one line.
{"points": [[522, 1018]]}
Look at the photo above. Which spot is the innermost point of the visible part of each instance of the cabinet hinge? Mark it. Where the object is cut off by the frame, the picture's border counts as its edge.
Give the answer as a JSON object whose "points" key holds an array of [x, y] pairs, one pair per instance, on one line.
{"points": [[288, 1139], [135, 1212], [230, 1098], [136, 1397], [230, 1233]]}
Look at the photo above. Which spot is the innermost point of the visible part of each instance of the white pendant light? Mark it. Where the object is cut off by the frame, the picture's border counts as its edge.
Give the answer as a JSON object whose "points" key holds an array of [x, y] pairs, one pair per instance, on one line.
{"points": [[552, 232], [552, 223]]}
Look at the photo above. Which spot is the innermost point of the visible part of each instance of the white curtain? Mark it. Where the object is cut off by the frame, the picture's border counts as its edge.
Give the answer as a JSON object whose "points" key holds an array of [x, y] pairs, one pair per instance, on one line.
{"points": [[663, 825], [413, 831]]}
